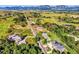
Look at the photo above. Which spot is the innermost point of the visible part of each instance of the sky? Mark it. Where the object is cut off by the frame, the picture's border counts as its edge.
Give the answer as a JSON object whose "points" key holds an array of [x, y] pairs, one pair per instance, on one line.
{"points": [[39, 2]]}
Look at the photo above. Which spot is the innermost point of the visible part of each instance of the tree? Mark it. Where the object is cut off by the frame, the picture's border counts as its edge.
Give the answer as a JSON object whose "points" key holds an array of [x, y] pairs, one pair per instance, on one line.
{"points": [[20, 18], [36, 14]]}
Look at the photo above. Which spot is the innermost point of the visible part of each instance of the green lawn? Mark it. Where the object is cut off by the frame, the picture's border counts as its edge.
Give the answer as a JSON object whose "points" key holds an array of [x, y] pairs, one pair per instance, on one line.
{"points": [[4, 27]]}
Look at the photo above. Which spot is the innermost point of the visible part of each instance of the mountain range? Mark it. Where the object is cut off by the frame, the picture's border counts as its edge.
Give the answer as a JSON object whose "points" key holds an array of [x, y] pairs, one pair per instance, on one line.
{"points": [[41, 7]]}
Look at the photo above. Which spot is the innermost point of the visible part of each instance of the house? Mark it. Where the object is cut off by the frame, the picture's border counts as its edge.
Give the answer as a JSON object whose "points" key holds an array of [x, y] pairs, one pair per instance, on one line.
{"points": [[17, 27], [38, 28], [74, 16], [44, 34], [14, 37], [18, 40], [67, 25], [77, 28], [58, 46]]}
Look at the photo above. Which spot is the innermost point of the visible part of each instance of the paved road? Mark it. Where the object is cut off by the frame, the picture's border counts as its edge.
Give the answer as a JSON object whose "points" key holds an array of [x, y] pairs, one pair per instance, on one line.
{"points": [[42, 47], [76, 38]]}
